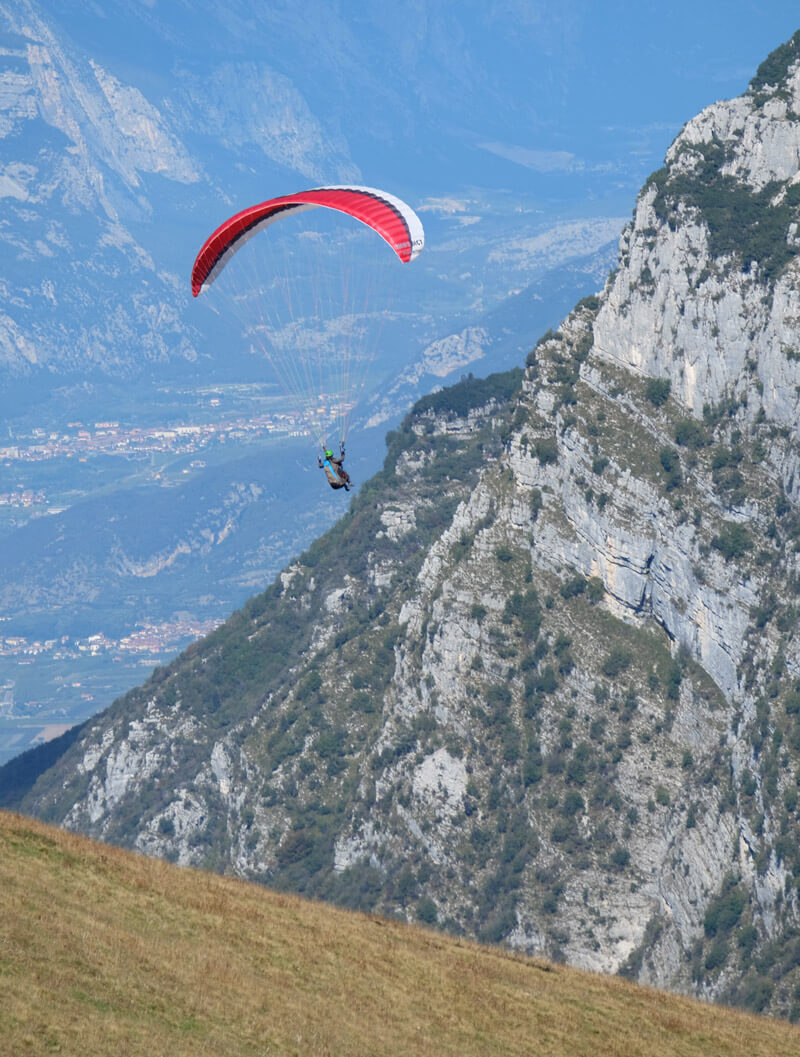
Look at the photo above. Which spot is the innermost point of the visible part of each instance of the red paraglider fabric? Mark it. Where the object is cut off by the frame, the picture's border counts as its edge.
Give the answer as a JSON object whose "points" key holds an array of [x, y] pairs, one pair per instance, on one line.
{"points": [[392, 219]]}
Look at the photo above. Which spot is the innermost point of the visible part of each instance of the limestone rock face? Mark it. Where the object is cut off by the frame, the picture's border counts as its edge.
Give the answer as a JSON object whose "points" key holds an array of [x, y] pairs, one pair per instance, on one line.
{"points": [[674, 309], [542, 683]]}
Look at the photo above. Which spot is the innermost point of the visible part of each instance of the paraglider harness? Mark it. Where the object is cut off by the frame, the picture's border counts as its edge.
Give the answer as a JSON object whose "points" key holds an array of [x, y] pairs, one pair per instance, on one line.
{"points": [[337, 476]]}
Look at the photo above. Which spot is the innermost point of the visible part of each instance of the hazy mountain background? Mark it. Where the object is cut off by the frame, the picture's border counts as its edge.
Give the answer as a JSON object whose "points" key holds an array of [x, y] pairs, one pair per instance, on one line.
{"points": [[130, 129]]}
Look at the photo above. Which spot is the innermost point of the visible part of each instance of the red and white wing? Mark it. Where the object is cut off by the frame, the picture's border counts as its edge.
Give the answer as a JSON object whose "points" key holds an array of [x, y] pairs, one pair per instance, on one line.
{"points": [[392, 219]]}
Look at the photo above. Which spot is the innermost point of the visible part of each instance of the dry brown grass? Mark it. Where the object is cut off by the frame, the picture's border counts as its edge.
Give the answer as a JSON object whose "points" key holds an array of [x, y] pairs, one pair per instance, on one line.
{"points": [[106, 952]]}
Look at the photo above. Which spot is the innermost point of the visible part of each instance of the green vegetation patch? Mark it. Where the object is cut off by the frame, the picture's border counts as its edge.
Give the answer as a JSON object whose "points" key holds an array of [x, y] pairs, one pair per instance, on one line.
{"points": [[733, 541], [774, 70], [742, 222], [657, 391], [470, 393]]}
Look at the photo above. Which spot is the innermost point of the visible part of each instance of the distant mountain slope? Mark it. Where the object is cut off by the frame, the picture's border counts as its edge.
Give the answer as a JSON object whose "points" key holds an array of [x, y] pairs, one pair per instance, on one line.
{"points": [[78, 150], [20, 774], [104, 951]]}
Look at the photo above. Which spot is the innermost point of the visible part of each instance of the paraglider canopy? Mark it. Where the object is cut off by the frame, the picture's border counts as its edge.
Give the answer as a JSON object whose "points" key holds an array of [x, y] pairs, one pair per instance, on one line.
{"points": [[312, 294], [391, 218]]}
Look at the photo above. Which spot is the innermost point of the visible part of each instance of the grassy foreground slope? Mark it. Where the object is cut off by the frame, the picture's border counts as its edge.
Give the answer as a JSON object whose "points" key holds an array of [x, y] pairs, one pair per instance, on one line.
{"points": [[106, 952]]}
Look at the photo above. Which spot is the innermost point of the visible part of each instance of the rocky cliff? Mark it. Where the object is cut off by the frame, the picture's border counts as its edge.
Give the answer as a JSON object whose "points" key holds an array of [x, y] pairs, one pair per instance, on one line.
{"points": [[542, 683]]}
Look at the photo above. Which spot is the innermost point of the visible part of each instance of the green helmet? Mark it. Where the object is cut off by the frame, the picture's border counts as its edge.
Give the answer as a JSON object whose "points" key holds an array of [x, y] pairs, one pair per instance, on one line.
{"points": [[328, 453]]}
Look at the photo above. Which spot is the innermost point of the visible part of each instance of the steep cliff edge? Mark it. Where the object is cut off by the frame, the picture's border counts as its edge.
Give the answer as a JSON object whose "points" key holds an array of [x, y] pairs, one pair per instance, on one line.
{"points": [[542, 683]]}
